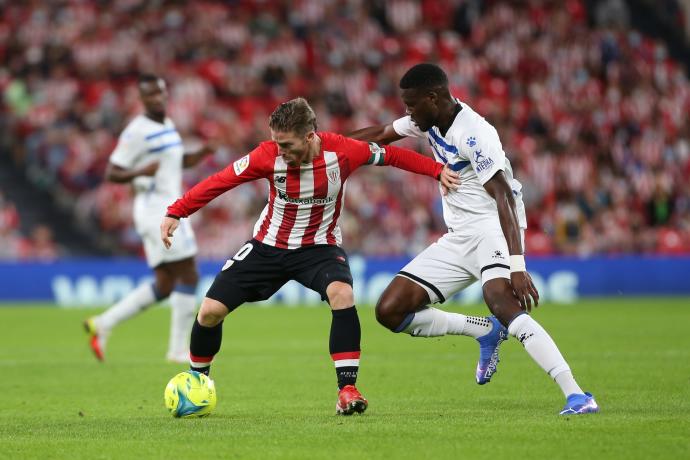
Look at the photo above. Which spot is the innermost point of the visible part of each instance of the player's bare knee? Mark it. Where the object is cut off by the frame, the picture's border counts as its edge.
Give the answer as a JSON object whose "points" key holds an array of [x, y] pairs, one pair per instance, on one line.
{"points": [[499, 297], [211, 312], [165, 282], [386, 311], [340, 295]]}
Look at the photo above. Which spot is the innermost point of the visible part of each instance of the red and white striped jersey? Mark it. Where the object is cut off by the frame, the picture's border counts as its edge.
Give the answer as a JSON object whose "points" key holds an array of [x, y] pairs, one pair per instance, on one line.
{"points": [[304, 201]]}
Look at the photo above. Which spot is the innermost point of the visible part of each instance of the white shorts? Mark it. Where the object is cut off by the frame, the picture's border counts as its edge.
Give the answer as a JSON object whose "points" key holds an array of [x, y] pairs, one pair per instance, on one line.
{"points": [[454, 262], [183, 242]]}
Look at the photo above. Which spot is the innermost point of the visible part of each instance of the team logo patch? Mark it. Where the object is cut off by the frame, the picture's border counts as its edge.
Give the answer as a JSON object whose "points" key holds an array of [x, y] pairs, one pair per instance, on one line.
{"points": [[471, 141], [497, 255], [241, 164], [333, 176]]}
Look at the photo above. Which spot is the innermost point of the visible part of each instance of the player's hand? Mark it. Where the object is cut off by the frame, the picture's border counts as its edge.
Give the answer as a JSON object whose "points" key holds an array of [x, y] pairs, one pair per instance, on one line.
{"points": [[150, 169], [168, 227], [450, 180], [524, 290]]}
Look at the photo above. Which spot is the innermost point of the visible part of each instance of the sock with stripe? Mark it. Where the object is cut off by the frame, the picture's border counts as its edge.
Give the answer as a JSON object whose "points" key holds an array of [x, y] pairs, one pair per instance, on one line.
{"points": [[344, 345], [543, 350], [204, 344], [432, 322], [182, 309]]}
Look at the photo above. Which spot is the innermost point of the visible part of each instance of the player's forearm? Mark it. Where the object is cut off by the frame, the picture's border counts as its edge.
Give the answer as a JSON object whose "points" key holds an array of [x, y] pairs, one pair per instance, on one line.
{"points": [[120, 176], [409, 160], [192, 159], [198, 196], [381, 134], [509, 222]]}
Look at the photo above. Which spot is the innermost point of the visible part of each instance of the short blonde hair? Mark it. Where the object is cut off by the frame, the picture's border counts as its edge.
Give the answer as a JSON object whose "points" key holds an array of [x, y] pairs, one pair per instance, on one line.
{"points": [[295, 116]]}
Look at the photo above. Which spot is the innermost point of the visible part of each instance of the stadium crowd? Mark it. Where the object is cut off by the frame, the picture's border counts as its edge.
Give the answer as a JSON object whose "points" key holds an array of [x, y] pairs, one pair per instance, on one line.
{"points": [[592, 115]]}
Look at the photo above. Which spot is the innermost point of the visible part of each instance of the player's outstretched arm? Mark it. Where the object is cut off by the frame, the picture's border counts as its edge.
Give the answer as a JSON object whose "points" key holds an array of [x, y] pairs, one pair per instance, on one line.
{"points": [[118, 174], [522, 284], [255, 165], [192, 159], [409, 160], [381, 134]]}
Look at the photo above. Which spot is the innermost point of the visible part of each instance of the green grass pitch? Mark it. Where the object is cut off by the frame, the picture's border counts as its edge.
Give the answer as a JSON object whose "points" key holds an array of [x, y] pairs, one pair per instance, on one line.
{"points": [[276, 389]]}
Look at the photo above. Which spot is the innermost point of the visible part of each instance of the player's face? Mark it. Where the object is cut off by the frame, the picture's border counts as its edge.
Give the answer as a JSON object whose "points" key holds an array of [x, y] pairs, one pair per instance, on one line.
{"points": [[154, 96], [294, 148], [420, 105]]}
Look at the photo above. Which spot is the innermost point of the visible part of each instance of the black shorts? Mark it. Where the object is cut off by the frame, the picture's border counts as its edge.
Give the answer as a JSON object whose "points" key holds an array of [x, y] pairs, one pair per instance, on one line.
{"points": [[258, 270]]}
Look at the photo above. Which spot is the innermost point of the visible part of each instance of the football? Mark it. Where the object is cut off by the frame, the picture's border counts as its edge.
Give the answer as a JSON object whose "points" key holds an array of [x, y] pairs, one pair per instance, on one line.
{"points": [[190, 394]]}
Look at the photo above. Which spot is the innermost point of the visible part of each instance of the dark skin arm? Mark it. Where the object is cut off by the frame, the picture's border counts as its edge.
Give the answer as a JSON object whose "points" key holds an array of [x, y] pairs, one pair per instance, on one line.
{"points": [[120, 175], [522, 284], [381, 134], [192, 159]]}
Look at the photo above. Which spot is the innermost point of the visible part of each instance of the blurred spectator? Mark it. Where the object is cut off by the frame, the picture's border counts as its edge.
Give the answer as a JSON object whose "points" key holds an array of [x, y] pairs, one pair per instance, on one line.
{"points": [[593, 118]]}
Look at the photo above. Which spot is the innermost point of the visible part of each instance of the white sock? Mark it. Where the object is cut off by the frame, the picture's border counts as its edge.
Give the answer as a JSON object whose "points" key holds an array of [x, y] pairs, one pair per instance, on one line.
{"points": [[567, 382], [183, 312], [131, 304], [543, 350], [432, 322]]}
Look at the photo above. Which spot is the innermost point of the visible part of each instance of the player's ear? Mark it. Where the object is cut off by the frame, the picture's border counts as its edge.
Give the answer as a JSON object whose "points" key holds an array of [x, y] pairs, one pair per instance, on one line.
{"points": [[310, 136]]}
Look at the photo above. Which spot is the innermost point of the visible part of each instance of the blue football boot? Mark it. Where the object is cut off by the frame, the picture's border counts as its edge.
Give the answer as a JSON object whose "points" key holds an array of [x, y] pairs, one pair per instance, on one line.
{"points": [[580, 404], [488, 351]]}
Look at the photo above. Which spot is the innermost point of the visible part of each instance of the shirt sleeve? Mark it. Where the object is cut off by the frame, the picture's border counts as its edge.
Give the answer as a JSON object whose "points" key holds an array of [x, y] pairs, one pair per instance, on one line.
{"points": [[486, 155], [371, 153], [406, 127], [130, 147], [252, 166]]}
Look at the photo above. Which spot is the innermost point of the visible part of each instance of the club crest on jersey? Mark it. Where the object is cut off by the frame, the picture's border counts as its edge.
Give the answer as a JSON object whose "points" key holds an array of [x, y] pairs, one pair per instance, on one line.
{"points": [[241, 164], [333, 176], [471, 141]]}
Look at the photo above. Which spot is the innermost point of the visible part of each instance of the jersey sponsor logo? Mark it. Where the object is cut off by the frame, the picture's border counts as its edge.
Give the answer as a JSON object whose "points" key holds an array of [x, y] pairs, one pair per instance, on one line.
{"points": [[483, 162], [497, 255], [279, 179], [283, 196], [241, 164]]}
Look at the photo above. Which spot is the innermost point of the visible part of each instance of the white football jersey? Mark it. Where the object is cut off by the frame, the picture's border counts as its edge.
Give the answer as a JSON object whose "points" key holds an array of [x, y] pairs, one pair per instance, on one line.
{"points": [[145, 141], [472, 148]]}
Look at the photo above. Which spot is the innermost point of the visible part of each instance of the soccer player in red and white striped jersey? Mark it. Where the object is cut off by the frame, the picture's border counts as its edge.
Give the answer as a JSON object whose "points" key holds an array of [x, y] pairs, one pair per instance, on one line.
{"points": [[296, 236]]}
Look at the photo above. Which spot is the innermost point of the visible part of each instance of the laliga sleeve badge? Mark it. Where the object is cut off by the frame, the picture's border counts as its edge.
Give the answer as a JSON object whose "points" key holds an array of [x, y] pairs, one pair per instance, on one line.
{"points": [[241, 164]]}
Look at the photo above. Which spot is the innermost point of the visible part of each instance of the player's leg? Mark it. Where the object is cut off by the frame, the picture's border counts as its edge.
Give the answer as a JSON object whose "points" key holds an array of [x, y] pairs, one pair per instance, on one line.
{"points": [[207, 334], [499, 297], [325, 270], [143, 296], [179, 262], [434, 275], [99, 327], [253, 273], [182, 307]]}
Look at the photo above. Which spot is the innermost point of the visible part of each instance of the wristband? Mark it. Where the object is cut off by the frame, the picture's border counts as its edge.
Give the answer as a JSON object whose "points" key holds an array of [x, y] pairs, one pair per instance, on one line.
{"points": [[517, 263], [173, 216]]}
